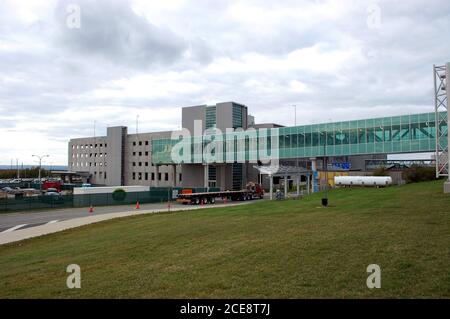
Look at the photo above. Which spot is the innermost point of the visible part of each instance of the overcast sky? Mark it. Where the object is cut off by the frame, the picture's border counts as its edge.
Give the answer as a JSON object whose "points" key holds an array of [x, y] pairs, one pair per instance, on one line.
{"points": [[336, 60]]}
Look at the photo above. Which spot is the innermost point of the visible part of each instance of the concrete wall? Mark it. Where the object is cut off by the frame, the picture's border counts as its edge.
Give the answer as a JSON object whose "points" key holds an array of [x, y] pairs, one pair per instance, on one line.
{"points": [[114, 158], [136, 151], [193, 175], [89, 155], [190, 114], [108, 190]]}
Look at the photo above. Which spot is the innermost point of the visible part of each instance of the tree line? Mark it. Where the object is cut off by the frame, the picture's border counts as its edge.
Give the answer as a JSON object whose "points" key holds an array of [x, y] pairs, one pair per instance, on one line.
{"points": [[24, 173]]}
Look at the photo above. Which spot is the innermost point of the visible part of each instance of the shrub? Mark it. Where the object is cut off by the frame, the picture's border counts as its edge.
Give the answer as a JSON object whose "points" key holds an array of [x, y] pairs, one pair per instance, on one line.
{"points": [[382, 171], [417, 173], [119, 194]]}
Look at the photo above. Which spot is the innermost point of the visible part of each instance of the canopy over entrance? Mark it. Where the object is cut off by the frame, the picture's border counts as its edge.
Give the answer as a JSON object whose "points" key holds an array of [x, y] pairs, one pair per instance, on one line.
{"points": [[285, 172]]}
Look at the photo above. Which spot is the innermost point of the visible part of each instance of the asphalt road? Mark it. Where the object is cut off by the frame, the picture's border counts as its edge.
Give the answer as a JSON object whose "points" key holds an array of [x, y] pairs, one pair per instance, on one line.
{"points": [[20, 220]]}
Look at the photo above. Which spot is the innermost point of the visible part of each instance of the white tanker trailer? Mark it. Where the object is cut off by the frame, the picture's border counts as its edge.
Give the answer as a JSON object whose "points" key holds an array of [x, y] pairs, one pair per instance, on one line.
{"points": [[362, 180]]}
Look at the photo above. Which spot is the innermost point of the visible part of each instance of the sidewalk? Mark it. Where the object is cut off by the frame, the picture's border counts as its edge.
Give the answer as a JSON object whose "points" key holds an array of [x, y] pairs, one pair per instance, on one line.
{"points": [[26, 233]]}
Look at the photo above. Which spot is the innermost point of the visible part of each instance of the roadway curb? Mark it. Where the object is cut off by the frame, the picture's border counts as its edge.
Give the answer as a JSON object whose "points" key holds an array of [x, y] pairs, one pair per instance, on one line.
{"points": [[46, 229]]}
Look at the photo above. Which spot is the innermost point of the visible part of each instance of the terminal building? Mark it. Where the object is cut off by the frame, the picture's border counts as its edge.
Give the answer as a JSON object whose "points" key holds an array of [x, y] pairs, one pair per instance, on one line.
{"points": [[120, 158]]}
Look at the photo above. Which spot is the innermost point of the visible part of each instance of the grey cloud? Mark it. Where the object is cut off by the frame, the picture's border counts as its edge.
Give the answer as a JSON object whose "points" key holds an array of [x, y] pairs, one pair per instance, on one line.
{"points": [[391, 75], [112, 31]]}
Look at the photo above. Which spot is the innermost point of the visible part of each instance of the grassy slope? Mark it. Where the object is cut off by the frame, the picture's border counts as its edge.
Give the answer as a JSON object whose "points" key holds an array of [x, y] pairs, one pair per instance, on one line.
{"points": [[268, 249]]}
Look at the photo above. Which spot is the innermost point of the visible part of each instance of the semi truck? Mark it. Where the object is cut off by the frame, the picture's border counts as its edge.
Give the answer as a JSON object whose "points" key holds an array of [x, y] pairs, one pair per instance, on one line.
{"points": [[252, 191]]}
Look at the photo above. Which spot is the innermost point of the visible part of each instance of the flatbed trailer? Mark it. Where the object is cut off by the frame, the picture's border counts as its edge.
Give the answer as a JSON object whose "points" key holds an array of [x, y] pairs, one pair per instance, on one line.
{"points": [[210, 197]]}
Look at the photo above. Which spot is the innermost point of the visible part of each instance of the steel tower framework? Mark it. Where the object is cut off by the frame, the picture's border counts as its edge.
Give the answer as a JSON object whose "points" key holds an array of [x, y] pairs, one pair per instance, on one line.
{"points": [[441, 97]]}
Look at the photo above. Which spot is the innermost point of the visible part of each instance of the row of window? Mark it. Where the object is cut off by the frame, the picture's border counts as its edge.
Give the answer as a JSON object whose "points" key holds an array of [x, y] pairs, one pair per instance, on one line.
{"points": [[140, 143], [100, 175], [87, 146], [141, 163], [88, 164], [139, 176], [90, 155], [140, 153], [404, 132]]}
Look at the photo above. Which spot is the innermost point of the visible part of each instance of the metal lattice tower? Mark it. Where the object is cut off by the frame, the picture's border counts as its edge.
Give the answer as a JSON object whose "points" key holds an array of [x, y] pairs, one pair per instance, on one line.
{"points": [[441, 95]]}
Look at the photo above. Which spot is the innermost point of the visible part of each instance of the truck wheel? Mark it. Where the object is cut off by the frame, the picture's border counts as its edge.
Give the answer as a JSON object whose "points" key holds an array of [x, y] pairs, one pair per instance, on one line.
{"points": [[196, 201], [212, 200]]}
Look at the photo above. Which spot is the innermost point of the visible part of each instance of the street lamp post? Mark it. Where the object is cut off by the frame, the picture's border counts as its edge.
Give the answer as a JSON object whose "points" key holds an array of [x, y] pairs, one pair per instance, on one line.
{"points": [[40, 166], [296, 157], [325, 168]]}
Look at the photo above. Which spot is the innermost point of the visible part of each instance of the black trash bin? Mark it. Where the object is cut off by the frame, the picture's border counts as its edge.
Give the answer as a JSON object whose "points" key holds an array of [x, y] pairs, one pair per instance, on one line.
{"points": [[325, 202]]}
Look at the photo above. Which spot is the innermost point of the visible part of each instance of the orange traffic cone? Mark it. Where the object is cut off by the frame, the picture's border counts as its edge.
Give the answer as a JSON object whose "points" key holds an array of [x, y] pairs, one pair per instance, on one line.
{"points": [[137, 205], [91, 209]]}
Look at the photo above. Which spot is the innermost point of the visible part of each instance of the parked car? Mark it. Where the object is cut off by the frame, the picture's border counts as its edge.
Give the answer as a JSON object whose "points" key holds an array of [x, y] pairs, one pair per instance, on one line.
{"points": [[52, 198], [52, 194]]}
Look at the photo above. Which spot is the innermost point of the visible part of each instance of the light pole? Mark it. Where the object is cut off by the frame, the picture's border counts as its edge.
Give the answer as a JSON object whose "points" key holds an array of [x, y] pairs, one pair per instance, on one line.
{"points": [[40, 166], [296, 157], [325, 168]]}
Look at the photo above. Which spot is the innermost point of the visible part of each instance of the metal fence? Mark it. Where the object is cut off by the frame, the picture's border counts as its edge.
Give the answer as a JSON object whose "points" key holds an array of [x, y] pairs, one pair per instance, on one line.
{"points": [[35, 202], [155, 195]]}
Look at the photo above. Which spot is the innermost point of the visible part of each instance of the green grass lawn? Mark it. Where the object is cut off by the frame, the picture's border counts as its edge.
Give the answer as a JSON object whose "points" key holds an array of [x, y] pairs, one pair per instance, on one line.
{"points": [[289, 249]]}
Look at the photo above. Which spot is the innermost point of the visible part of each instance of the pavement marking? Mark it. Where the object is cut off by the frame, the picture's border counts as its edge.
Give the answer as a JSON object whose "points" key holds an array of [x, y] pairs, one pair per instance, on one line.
{"points": [[13, 228], [52, 221]]}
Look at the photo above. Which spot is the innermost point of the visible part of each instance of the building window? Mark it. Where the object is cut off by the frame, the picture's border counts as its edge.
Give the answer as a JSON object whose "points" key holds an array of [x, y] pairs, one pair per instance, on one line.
{"points": [[140, 153], [134, 163], [166, 177], [134, 175], [146, 176], [180, 177], [146, 142], [153, 176], [146, 163], [134, 153], [104, 175], [134, 143], [159, 176], [140, 163], [140, 143], [146, 153], [140, 176]]}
